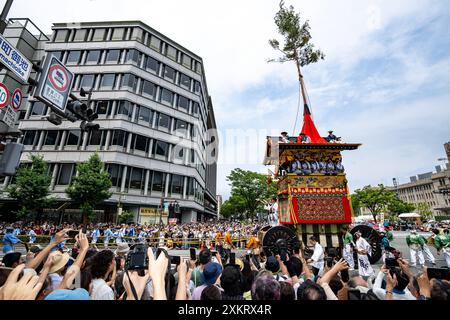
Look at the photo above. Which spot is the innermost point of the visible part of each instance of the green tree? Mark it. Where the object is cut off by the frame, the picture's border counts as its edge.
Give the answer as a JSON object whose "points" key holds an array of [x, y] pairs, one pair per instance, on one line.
{"points": [[31, 188], [375, 199], [234, 205], [297, 45], [90, 187], [398, 206], [425, 211], [252, 190], [125, 217]]}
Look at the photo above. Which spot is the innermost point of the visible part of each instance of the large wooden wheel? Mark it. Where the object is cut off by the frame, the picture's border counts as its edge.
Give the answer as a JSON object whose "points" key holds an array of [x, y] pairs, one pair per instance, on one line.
{"points": [[373, 238], [279, 240]]}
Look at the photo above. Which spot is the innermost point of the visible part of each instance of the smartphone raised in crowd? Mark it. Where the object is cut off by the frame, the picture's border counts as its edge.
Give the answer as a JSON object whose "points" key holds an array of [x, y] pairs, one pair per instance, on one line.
{"points": [[232, 258], [72, 234], [176, 260], [438, 273], [193, 254], [345, 275]]}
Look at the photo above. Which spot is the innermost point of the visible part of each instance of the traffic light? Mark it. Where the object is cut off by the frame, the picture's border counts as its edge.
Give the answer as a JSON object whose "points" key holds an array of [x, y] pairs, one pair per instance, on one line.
{"points": [[89, 126], [11, 159], [79, 109], [55, 119]]}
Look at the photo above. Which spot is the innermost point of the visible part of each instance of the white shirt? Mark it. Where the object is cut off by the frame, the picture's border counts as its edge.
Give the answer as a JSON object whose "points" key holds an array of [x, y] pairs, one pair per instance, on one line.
{"points": [[101, 291], [381, 293], [318, 257]]}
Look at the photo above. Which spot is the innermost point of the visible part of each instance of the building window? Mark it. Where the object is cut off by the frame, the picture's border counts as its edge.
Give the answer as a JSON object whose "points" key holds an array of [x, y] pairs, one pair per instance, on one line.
{"points": [[185, 81], [80, 35], [197, 87], [152, 65], [187, 61], [103, 108], [164, 121], [134, 57], [108, 82], [177, 183], [58, 55], [138, 34], [159, 181], [161, 148], [118, 34], [140, 143], [113, 56], [183, 103], [61, 35], [30, 137], [87, 82], [171, 52], [97, 138], [125, 108], [155, 44], [120, 138], [38, 109], [149, 89], [137, 179], [129, 82], [145, 115], [51, 138], [73, 138], [99, 34], [66, 172], [181, 126], [167, 97], [169, 74], [115, 171], [74, 58], [93, 57]]}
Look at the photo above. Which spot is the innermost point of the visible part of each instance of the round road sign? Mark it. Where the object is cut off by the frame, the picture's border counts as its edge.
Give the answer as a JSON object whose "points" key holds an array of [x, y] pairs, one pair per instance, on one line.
{"points": [[4, 95], [16, 100], [59, 78]]}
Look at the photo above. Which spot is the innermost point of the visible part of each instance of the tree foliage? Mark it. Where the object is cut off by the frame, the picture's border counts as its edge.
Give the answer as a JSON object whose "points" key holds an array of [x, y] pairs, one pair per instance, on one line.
{"points": [[375, 199], [398, 206], [249, 192], [424, 210], [31, 187], [126, 217], [90, 187], [297, 36]]}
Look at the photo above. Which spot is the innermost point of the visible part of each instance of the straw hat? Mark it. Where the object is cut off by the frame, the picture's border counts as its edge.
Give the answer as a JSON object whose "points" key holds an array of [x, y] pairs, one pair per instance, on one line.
{"points": [[122, 248], [59, 260]]}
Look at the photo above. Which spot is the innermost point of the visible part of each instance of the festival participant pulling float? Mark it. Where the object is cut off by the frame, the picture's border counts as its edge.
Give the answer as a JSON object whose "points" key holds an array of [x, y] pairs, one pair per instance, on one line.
{"points": [[313, 193]]}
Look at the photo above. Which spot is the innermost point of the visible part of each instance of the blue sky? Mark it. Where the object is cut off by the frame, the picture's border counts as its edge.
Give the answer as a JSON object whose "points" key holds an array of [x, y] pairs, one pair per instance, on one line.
{"points": [[385, 81]]}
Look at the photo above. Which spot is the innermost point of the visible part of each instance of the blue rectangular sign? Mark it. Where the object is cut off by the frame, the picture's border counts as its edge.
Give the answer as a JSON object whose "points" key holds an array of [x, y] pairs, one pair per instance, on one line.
{"points": [[14, 60]]}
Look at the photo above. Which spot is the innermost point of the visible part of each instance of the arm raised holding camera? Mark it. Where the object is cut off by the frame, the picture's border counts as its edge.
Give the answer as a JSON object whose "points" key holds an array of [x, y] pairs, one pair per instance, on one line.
{"points": [[74, 269], [157, 270], [59, 238]]}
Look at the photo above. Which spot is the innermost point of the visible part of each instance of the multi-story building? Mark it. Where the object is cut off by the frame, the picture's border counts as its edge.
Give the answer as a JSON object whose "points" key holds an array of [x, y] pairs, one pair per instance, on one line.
{"points": [[155, 115], [428, 188]]}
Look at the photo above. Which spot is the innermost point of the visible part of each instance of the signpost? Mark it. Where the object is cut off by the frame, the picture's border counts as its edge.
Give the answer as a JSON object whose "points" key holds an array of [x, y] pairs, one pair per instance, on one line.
{"points": [[14, 60], [10, 116], [55, 85], [16, 100], [4, 95]]}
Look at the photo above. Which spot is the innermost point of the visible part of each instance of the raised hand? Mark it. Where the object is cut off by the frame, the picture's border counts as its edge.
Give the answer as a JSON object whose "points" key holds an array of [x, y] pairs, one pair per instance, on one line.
{"points": [[27, 288]]}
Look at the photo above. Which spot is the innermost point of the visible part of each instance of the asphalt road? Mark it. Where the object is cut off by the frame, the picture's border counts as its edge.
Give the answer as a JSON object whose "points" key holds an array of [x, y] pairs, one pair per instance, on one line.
{"points": [[399, 243]]}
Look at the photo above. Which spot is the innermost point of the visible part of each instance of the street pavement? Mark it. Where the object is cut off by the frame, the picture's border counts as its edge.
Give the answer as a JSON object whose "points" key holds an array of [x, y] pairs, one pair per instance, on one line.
{"points": [[399, 243]]}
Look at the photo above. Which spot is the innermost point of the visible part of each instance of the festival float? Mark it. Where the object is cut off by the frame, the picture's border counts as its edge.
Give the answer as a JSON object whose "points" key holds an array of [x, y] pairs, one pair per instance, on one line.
{"points": [[313, 192]]}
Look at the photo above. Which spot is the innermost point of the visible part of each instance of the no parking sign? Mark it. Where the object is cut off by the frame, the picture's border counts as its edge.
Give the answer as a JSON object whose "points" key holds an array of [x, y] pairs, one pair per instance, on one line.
{"points": [[16, 100], [4, 95]]}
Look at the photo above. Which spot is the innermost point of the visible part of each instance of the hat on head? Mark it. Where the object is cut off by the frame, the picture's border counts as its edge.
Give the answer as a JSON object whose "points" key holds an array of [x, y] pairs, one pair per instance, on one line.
{"points": [[284, 133], [358, 233], [61, 295], [36, 249], [331, 131], [122, 248], [11, 258], [272, 264], [211, 273], [59, 261]]}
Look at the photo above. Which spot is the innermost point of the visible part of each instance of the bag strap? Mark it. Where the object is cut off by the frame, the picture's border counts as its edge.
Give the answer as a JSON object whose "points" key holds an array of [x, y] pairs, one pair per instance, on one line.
{"points": [[133, 289]]}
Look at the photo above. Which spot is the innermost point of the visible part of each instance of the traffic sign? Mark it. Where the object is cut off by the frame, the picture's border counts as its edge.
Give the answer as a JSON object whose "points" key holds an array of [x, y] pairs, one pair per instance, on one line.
{"points": [[9, 116], [55, 85], [16, 100], [14, 60], [4, 95]]}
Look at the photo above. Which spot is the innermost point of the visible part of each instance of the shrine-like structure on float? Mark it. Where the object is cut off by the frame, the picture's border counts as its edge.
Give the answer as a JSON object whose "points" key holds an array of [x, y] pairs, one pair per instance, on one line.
{"points": [[313, 192]]}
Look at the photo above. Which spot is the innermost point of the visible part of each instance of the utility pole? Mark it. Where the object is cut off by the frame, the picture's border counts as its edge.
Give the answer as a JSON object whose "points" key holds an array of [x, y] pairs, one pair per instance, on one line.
{"points": [[4, 15]]}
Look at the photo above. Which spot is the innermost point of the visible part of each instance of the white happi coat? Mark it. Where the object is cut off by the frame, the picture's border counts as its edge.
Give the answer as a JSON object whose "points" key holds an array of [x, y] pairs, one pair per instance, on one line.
{"points": [[365, 268]]}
